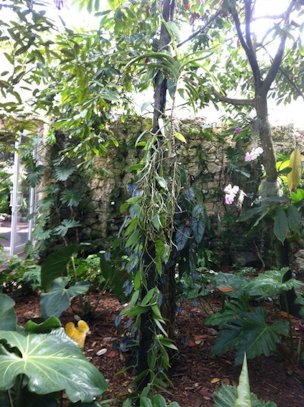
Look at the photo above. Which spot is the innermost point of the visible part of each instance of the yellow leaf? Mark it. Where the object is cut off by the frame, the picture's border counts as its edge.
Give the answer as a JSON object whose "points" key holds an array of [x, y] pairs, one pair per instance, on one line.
{"points": [[180, 137], [215, 380], [295, 175]]}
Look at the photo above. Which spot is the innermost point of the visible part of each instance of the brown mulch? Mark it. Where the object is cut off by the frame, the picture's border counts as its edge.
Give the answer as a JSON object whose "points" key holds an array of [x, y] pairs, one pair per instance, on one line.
{"points": [[194, 374]]}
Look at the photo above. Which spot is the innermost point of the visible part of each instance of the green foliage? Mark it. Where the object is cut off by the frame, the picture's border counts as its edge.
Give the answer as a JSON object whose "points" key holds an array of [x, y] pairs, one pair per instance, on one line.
{"points": [[44, 327], [18, 273], [40, 362], [58, 298], [56, 264], [5, 187], [250, 333], [46, 364], [228, 396], [8, 320], [245, 329]]}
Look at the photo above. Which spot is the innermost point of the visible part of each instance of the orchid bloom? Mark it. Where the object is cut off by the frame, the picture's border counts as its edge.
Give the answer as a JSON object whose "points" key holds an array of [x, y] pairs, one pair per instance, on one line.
{"points": [[254, 154], [230, 193]]}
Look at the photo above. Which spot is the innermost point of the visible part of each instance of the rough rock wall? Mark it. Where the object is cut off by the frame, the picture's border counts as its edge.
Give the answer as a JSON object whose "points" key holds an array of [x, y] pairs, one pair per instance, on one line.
{"points": [[204, 156]]}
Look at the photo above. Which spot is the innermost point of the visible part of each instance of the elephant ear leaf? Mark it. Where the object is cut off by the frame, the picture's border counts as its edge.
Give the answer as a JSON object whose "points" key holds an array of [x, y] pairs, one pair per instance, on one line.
{"points": [[243, 389], [51, 363], [54, 302], [8, 319]]}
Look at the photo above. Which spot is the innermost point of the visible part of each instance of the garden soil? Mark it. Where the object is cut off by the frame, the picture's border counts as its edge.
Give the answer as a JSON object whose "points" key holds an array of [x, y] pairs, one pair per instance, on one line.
{"points": [[194, 374]]}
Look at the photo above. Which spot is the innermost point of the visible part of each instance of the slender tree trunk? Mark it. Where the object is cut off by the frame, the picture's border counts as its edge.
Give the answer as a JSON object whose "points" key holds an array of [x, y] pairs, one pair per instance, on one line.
{"points": [[147, 328], [272, 187], [265, 133]]}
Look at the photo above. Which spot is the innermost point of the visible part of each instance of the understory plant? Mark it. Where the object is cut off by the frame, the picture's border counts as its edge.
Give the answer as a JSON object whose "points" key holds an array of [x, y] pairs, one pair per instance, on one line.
{"points": [[244, 324], [40, 362], [240, 396]]}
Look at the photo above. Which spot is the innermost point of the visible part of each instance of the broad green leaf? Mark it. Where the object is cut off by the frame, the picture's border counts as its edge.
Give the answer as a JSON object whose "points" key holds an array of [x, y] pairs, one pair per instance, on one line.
{"points": [[198, 229], [51, 363], [55, 265], [148, 297], [44, 327], [297, 196], [8, 319], [71, 197], [159, 401], [183, 233], [231, 312], [295, 175], [65, 226], [145, 402], [58, 299], [294, 218], [251, 334], [63, 173], [225, 396], [243, 389], [271, 284], [133, 239], [280, 227], [258, 337]]}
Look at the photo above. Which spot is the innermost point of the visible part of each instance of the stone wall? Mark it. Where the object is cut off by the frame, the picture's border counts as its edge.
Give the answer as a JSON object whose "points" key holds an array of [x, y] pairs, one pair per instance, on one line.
{"points": [[204, 156]]}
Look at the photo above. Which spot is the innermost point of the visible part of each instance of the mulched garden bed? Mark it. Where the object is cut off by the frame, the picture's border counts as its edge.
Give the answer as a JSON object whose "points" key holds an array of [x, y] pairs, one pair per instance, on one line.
{"points": [[194, 374]]}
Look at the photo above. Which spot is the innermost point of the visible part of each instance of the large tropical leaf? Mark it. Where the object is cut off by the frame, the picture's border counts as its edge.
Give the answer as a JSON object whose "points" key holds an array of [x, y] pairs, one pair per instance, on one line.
{"points": [[270, 284], [258, 337], [280, 227], [58, 299], [7, 313], [51, 363], [55, 265], [65, 226], [226, 396], [64, 172], [183, 233], [232, 285], [250, 334], [231, 312], [294, 219]]}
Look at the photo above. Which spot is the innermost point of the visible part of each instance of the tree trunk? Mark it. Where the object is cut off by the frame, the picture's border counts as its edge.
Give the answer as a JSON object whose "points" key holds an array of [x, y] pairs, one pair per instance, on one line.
{"points": [[146, 329], [147, 325], [265, 134]]}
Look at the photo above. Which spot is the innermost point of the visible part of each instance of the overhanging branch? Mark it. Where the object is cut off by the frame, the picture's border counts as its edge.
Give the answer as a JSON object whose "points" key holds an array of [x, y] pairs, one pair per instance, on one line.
{"points": [[279, 54], [233, 101], [201, 30], [247, 48]]}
